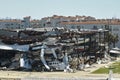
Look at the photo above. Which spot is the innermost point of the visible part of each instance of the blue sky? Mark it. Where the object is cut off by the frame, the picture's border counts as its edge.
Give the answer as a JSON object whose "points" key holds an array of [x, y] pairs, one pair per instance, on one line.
{"points": [[38, 9]]}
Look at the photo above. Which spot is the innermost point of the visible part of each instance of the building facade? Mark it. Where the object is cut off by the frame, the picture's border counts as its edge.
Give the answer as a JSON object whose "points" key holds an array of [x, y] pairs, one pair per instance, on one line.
{"points": [[9, 24], [15, 23], [55, 20]]}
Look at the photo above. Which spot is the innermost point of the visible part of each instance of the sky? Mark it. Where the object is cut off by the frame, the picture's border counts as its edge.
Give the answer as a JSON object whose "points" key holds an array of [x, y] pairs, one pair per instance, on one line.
{"points": [[38, 9]]}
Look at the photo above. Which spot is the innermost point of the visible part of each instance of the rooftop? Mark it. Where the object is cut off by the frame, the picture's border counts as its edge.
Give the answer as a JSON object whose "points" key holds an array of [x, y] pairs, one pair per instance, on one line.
{"points": [[113, 22]]}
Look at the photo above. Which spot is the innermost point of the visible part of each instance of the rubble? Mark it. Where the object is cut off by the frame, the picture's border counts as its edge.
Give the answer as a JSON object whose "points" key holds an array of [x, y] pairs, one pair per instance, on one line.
{"points": [[41, 52]]}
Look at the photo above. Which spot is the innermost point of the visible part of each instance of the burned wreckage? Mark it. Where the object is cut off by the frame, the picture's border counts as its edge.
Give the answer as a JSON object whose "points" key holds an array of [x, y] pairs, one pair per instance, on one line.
{"points": [[62, 50], [26, 57]]}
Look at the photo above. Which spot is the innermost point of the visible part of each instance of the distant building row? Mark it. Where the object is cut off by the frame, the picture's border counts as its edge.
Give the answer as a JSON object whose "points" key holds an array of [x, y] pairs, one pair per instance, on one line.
{"points": [[18, 24], [72, 22], [58, 21]]}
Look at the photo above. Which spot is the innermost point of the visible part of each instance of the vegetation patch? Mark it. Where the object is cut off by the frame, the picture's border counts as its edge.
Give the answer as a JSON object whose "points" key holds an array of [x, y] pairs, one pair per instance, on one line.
{"points": [[115, 67]]}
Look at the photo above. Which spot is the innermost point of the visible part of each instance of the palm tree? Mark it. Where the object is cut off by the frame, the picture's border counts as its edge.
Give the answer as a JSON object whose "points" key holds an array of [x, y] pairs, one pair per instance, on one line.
{"points": [[111, 39], [115, 39], [108, 38]]}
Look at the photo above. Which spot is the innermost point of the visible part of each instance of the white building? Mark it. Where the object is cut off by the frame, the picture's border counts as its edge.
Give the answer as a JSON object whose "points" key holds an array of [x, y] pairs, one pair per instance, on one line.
{"points": [[10, 24], [35, 23], [25, 23], [55, 20], [15, 23]]}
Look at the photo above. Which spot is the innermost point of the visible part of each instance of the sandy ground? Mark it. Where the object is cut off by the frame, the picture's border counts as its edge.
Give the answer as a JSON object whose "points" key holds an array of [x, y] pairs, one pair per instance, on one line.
{"points": [[78, 74]]}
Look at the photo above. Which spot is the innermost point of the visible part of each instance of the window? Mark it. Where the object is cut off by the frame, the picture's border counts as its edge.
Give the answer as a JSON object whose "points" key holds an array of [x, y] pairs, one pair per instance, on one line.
{"points": [[115, 29], [95, 27]]}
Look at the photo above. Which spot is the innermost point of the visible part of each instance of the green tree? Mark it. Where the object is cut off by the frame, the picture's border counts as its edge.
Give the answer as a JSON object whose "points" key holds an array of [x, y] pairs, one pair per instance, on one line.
{"points": [[108, 38], [111, 39], [115, 39]]}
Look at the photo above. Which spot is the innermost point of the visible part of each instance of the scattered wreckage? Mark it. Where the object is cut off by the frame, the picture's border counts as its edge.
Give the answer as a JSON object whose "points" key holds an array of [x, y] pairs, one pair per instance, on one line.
{"points": [[62, 50]]}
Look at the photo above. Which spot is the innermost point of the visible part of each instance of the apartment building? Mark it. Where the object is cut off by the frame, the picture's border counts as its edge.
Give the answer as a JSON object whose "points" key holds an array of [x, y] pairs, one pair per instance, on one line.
{"points": [[25, 23], [35, 23], [55, 20], [15, 23], [10, 23]]}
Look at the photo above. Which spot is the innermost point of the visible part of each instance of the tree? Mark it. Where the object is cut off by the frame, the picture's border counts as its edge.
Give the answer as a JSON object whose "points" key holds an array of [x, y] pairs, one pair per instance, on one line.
{"points": [[115, 39], [111, 39], [108, 38]]}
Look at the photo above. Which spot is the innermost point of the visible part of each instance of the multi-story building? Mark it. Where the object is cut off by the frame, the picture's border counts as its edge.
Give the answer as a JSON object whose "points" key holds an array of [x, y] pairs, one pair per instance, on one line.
{"points": [[25, 23], [10, 23], [15, 23], [55, 20], [35, 23]]}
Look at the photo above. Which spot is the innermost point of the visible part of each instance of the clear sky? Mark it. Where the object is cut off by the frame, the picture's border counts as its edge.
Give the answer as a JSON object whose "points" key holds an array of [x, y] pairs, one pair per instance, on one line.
{"points": [[38, 9]]}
